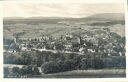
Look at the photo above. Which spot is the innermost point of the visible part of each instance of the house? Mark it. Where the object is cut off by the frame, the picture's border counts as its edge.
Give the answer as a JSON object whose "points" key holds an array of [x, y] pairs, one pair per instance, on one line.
{"points": [[82, 50], [93, 40], [68, 46], [23, 48]]}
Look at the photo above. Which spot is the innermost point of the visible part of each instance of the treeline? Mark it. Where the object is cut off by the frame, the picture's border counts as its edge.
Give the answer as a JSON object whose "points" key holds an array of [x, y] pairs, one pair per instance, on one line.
{"points": [[22, 72], [83, 63], [20, 58], [71, 64], [60, 62]]}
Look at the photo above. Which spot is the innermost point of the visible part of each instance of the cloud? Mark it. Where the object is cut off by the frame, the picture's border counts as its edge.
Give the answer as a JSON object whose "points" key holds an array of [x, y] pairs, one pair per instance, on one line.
{"points": [[58, 10]]}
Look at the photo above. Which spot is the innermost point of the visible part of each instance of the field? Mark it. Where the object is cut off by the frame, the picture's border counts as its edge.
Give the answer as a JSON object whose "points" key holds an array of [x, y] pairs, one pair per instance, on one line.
{"points": [[102, 73]]}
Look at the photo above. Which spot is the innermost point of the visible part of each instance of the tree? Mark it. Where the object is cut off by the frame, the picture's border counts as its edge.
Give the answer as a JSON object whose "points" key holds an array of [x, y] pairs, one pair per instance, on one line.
{"points": [[35, 71], [98, 63], [85, 63], [27, 57], [16, 71], [23, 71], [6, 71], [50, 67]]}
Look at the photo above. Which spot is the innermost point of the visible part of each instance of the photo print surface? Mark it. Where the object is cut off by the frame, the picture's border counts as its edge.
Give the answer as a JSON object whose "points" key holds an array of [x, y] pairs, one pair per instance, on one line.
{"points": [[64, 40]]}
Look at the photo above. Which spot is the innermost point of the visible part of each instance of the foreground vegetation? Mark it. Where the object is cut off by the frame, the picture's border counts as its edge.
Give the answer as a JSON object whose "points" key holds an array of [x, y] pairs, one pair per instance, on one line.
{"points": [[90, 73]]}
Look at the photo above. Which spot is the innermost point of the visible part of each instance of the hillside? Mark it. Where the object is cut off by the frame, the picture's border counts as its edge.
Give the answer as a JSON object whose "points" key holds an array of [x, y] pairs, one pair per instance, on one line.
{"points": [[54, 26], [96, 17], [107, 16]]}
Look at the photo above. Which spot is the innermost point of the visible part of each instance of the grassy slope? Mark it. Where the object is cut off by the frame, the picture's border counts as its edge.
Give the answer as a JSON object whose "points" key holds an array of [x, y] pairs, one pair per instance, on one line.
{"points": [[102, 73]]}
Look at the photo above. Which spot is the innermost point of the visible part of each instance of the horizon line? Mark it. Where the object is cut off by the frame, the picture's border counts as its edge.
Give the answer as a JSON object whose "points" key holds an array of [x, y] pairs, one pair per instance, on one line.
{"points": [[60, 16]]}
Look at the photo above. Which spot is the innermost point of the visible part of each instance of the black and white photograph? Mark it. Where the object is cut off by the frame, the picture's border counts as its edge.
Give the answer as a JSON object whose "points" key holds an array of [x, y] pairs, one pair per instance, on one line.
{"points": [[64, 40]]}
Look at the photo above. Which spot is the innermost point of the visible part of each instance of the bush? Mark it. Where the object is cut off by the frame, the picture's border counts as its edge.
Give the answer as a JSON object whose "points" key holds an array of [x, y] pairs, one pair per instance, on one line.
{"points": [[29, 70], [71, 64], [23, 58], [95, 63], [23, 70], [50, 67], [98, 63], [6, 71], [58, 66], [85, 63], [16, 70], [116, 61], [68, 65], [12, 59], [35, 71]]}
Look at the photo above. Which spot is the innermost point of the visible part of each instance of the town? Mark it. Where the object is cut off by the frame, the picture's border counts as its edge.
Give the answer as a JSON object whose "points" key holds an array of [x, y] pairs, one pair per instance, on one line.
{"points": [[101, 47]]}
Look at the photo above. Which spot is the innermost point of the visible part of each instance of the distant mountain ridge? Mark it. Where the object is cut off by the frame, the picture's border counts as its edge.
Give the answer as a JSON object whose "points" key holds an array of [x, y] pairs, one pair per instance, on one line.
{"points": [[107, 16], [97, 19], [117, 16]]}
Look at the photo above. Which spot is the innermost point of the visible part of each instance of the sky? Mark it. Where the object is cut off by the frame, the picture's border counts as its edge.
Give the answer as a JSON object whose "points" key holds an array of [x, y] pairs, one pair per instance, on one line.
{"points": [[75, 10]]}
